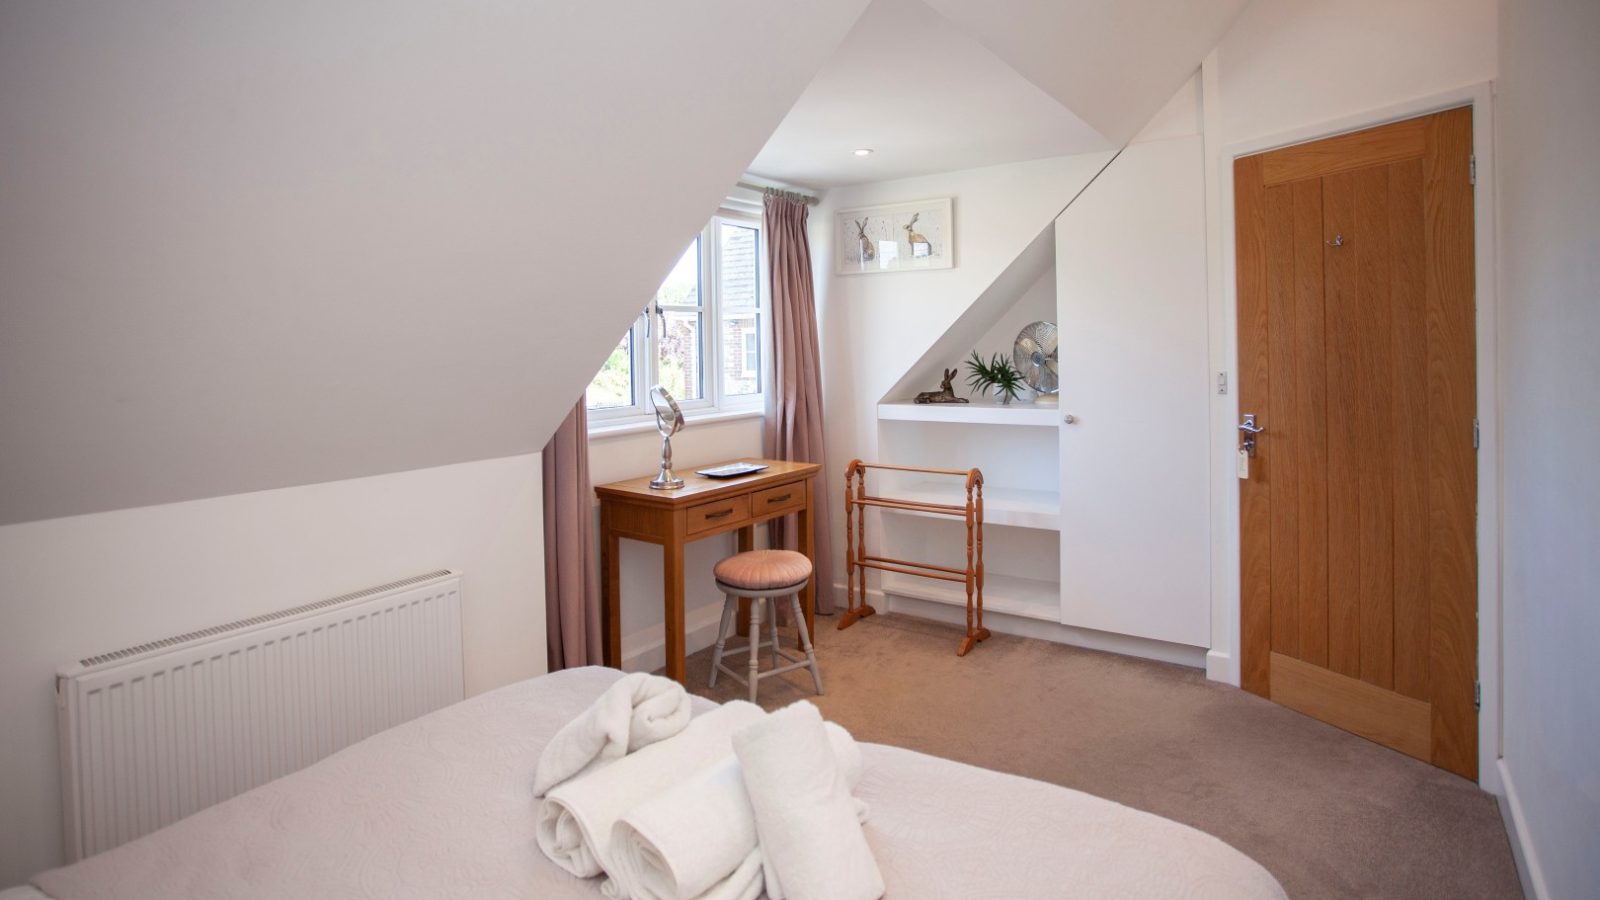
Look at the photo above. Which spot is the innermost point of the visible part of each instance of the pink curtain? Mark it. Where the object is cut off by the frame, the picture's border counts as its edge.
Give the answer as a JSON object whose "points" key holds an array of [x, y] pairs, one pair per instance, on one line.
{"points": [[571, 575], [794, 416]]}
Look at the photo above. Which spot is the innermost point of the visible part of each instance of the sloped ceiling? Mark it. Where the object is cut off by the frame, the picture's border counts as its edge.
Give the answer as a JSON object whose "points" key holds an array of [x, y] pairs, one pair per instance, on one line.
{"points": [[245, 246], [1112, 62], [926, 97]]}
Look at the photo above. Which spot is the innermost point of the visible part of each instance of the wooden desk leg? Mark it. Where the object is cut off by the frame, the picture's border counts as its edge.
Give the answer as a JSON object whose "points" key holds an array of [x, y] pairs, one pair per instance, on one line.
{"points": [[610, 589], [672, 590], [808, 594], [747, 542]]}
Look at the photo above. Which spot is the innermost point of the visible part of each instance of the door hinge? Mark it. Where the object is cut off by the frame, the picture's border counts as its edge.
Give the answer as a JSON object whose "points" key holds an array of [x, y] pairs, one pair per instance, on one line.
{"points": [[1477, 696], [1472, 168], [1477, 435]]}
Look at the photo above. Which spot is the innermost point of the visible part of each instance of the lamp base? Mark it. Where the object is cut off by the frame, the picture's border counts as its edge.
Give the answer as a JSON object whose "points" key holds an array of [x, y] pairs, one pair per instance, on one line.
{"points": [[666, 481]]}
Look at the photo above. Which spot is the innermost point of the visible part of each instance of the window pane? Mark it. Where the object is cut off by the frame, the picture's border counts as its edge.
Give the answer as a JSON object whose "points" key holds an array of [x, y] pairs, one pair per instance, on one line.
{"points": [[741, 354], [682, 287], [740, 271], [613, 386], [680, 355]]}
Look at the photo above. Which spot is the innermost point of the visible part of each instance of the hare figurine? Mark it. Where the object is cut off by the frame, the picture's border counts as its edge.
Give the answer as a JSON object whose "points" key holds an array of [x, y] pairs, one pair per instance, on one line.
{"points": [[867, 251], [945, 393], [921, 248]]}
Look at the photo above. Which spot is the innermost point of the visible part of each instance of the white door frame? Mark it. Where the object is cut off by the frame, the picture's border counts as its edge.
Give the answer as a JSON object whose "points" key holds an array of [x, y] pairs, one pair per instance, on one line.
{"points": [[1222, 662]]}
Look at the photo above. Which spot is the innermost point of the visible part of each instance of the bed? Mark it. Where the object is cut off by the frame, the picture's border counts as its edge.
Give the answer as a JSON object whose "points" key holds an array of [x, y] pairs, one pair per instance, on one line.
{"points": [[442, 806]]}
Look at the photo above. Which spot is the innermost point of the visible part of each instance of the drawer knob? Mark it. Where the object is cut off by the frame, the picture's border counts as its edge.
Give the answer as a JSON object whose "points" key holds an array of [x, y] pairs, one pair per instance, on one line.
{"points": [[723, 514], [779, 499]]}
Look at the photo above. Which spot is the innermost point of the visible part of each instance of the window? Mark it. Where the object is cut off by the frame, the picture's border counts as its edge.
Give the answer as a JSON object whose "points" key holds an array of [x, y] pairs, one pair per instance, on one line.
{"points": [[702, 336]]}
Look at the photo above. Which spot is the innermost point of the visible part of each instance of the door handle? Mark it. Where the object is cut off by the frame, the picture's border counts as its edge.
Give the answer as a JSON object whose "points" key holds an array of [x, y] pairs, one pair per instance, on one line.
{"points": [[1250, 430]]}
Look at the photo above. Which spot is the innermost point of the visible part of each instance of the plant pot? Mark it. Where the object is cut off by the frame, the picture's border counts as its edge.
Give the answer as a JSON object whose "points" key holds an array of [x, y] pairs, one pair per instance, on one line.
{"points": [[1005, 399]]}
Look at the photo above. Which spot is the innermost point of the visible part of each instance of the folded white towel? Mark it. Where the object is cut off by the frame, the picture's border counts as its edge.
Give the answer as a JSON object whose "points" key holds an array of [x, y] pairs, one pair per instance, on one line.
{"points": [[812, 844], [698, 839], [637, 710], [575, 819]]}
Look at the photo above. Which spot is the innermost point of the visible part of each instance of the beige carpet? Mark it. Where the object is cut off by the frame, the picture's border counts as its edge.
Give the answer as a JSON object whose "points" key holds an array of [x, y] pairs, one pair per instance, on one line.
{"points": [[1330, 814]]}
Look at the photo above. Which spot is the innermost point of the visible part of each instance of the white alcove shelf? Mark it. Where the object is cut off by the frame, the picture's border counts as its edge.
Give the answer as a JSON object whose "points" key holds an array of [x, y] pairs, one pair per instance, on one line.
{"points": [[1016, 507], [1008, 594], [973, 413]]}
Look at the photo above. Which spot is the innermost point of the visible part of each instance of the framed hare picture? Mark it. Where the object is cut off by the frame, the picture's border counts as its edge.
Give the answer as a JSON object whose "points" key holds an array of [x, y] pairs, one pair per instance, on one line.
{"points": [[894, 238]]}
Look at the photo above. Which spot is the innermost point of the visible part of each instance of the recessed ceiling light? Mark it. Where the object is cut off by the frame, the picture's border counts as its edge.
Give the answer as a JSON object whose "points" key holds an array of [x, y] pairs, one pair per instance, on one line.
{"points": [[862, 151]]}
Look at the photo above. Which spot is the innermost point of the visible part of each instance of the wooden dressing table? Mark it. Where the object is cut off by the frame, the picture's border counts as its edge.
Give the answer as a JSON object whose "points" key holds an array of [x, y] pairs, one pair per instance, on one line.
{"points": [[702, 508]]}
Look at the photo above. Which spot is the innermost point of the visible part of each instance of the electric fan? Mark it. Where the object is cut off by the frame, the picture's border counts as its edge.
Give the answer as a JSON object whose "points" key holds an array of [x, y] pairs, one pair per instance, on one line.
{"points": [[1035, 356]]}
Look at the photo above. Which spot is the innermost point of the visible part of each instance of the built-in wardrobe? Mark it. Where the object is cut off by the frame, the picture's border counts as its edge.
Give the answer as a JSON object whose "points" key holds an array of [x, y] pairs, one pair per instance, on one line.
{"points": [[1096, 501]]}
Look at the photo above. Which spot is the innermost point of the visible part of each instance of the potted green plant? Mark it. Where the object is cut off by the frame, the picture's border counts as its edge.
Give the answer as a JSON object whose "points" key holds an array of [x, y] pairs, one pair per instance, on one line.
{"points": [[997, 375]]}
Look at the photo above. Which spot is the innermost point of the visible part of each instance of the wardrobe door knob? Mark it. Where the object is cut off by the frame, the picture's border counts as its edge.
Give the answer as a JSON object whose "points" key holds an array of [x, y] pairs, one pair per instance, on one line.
{"points": [[1070, 419]]}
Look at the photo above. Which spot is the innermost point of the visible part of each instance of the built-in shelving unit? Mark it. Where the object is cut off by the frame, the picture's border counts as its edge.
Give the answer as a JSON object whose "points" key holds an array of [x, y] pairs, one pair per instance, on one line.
{"points": [[1001, 505], [975, 413], [1005, 594], [1078, 533], [1016, 445]]}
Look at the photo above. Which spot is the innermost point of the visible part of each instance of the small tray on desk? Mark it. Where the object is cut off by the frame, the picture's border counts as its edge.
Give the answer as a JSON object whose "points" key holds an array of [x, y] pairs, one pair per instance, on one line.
{"points": [[732, 470]]}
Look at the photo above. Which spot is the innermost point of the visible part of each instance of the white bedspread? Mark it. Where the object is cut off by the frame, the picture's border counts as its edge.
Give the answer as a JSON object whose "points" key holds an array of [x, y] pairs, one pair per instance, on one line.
{"points": [[443, 807]]}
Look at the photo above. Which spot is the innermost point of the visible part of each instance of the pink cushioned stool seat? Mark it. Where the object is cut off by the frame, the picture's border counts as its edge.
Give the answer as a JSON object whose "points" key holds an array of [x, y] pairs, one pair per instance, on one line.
{"points": [[763, 570]]}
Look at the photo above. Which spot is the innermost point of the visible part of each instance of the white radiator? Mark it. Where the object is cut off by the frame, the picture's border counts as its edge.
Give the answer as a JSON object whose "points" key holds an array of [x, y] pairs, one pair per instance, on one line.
{"points": [[153, 733]]}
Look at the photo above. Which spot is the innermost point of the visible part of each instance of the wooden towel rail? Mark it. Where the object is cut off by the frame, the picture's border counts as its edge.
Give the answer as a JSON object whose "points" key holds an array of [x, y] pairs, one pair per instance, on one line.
{"points": [[857, 562]]}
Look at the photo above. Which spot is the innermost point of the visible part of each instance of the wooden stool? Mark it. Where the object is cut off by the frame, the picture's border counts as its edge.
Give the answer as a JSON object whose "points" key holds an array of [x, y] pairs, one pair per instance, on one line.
{"points": [[763, 576]]}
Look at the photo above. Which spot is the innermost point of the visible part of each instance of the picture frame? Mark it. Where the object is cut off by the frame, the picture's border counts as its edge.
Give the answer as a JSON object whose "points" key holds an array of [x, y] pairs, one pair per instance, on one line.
{"points": [[894, 237]]}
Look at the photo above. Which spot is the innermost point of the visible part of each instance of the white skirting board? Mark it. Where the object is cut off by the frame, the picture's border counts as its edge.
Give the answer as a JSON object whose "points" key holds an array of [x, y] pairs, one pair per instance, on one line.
{"points": [[645, 650], [1220, 667], [1087, 638], [1522, 849]]}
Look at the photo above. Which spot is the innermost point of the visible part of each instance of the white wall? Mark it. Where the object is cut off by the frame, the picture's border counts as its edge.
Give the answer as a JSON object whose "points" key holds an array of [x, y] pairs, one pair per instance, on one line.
{"points": [[1289, 63], [1547, 126], [1037, 303], [94, 583], [1289, 66], [618, 456]]}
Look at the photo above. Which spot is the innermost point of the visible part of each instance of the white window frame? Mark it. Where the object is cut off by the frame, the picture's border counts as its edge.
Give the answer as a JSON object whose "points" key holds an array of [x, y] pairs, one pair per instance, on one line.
{"points": [[646, 330]]}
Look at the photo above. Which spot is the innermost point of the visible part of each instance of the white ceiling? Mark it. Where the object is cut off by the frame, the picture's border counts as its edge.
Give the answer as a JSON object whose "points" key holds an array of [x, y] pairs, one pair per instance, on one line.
{"points": [[1113, 62], [926, 96], [943, 85]]}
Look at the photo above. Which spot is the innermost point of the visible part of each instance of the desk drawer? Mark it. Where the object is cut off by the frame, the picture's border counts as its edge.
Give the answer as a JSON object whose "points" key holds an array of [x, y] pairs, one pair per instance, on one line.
{"points": [[778, 499], [718, 514]]}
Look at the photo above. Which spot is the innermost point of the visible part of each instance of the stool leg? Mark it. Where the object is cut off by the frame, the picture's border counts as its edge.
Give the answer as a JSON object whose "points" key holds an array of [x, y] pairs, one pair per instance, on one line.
{"points": [[728, 607], [805, 643], [772, 613], [755, 646]]}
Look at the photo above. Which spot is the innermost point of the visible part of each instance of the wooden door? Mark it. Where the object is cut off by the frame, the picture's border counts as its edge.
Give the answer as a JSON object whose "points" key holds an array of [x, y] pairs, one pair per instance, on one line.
{"points": [[1356, 355]]}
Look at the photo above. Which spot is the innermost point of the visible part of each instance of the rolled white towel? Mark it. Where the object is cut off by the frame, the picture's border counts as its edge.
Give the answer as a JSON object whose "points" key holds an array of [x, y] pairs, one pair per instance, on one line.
{"points": [[575, 819], [636, 711], [698, 839], [812, 844]]}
